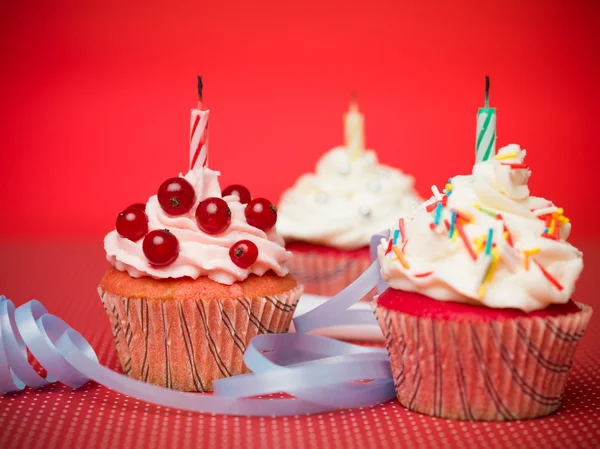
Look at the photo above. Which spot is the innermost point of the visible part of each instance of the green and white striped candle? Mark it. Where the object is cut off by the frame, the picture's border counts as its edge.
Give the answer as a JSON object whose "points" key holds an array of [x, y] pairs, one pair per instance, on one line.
{"points": [[486, 129]]}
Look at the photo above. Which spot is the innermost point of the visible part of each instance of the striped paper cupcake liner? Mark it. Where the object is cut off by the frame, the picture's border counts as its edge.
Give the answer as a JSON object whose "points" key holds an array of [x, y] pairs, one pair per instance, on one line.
{"points": [[327, 274], [486, 371], [186, 345]]}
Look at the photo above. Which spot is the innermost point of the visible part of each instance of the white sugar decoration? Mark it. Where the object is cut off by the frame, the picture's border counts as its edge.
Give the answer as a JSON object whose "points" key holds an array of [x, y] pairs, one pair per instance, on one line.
{"points": [[545, 211], [365, 211], [436, 192], [321, 198], [374, 185], [344, 169]]}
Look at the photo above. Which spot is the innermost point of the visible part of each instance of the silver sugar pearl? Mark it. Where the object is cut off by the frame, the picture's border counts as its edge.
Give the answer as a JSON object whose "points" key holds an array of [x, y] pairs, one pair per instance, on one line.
{"points": [[374, 185], [384, 173], [321, 198], [344, 169], [365, 211]]}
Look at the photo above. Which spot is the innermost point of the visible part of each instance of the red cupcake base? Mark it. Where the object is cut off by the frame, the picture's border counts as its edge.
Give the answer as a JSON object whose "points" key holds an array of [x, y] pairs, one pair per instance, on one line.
{"points": [[468, 362]]}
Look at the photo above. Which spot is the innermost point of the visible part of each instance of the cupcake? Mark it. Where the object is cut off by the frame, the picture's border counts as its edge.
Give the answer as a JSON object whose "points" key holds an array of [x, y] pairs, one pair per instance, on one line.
{"points": [[328, 217], [478, 317], [195, 274]]}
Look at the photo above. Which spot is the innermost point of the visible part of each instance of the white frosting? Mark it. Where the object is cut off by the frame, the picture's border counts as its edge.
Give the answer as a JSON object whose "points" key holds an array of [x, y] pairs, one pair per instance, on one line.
{"points": [[455, 276], [200, 254], [346, 201]]}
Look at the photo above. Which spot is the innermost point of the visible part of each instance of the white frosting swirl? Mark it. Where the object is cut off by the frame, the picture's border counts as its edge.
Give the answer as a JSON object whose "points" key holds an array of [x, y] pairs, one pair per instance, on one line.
{"points": [[200, 254], [442, 268], [346, 201]]}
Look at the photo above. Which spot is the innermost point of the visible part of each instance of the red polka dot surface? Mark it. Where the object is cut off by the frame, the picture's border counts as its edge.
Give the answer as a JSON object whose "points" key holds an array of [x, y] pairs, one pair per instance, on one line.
{"points": [[95, 417]]}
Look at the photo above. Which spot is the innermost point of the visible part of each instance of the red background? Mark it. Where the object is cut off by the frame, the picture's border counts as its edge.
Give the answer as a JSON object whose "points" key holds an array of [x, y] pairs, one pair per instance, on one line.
{"points": [[95, 96]]}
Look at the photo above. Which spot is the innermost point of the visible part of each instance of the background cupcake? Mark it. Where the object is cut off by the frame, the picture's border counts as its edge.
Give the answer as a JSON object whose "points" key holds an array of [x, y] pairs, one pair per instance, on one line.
{"points": [[328, 217], [478, 318], [195, 274]]}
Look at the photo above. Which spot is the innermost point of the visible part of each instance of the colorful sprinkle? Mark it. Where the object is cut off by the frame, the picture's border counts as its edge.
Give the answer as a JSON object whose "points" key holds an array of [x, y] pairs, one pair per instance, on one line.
{"points": [[452, 223], [501, 157], [479, 243], [401, 226], [396, 233], [526, 254], [517, 166], [488, 212], [438, 214], [454, 237], [532, 251], [481, 290], [551, 228], [431, 206], [494, 258], [422, 275], [556, 232], [492, 270], [507, 234], [549, 276], [436, 192], [488, 244], [389, 248], [401, 257], [464, 215], [465, 240]]}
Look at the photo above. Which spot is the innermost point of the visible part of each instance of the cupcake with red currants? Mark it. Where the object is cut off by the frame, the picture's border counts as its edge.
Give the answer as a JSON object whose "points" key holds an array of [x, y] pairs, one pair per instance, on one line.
{"points": [[478, 316], [328, 217], [195, 274]]}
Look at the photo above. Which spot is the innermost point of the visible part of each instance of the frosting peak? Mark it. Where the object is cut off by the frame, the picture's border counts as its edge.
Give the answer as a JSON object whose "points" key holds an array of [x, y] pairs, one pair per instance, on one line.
{"points": [[485, 241], [349, 198], [200, 254]]}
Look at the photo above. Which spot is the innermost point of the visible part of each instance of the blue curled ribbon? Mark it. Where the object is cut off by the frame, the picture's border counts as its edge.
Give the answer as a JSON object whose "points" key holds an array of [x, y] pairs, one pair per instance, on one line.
{"points": [[320, 372]]}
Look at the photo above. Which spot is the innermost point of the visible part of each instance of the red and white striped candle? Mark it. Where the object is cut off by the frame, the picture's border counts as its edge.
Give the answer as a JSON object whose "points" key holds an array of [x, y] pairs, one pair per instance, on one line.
{"points": [[199, 133]]}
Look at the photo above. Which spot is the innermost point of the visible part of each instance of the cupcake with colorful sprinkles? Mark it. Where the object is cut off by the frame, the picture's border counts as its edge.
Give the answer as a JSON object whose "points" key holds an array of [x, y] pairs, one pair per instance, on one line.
{"points": [[328, 217], [195, 274], [478, 316]]}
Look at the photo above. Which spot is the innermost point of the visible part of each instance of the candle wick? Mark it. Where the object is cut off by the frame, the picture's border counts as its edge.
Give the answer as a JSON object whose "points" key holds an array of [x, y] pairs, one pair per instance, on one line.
{"points": [[487, 91], [200, 92], [353, 101]]}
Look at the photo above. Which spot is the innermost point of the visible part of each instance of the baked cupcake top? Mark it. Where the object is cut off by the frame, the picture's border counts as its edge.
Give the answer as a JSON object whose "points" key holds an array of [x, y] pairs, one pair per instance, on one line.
{"points": [[190, 229], [485, 240], [350, 197]]}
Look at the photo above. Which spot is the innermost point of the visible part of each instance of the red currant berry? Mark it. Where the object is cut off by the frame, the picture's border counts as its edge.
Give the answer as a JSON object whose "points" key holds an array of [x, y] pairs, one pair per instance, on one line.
{"points": [[132, 224], [161, 247], [240, 191], [140, 206], [213, 215], [244, 253], [261, 214], [176, 196]]}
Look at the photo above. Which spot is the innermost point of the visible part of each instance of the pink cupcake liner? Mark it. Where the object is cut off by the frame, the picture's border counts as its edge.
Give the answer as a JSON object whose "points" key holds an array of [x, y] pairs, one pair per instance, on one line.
{"points": [[327, 274], [496, 370], [186, 345]]}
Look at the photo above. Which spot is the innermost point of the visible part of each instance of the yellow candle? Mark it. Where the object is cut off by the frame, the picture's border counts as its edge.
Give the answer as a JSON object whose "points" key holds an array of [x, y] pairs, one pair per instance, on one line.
{"points": [[354, 130]]}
